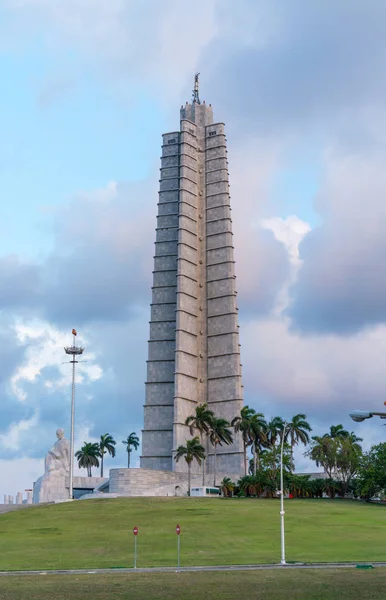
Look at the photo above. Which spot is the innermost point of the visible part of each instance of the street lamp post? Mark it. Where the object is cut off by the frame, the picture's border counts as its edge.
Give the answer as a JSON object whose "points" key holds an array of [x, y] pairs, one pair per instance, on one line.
{"points": [[362, 415], [282, 512], [72, 351]]}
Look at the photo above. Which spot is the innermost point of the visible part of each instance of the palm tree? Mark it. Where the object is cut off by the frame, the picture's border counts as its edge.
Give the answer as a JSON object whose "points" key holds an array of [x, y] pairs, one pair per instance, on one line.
{"points": [[227, 487], [88, 456], [271, 461], [219, 434], [323, 451], [244, 424], [201, 421], [106, 445], [248, 486], [192, 451], [348, 460], [354, 440], [274, 430], [259, 438], [132, 440], [298, 485], [297, 431], [337, 431], [251, 485]]}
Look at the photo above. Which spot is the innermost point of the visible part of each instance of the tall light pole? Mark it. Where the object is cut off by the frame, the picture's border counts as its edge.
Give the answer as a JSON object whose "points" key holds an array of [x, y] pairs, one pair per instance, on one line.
{"points": [[72, 351], [282, 513]]}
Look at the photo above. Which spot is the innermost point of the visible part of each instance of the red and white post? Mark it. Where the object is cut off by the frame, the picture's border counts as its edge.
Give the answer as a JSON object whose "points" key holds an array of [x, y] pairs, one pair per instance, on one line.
{"points": [[135, 531], [178, 532]]}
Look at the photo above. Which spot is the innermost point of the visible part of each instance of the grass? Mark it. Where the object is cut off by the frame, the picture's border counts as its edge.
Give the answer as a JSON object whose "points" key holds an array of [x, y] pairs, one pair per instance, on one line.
{"points": [[98, 533], [337, 584]]}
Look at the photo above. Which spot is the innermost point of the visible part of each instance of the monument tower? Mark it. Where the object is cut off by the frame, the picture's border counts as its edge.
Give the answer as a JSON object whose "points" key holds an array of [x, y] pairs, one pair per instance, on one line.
{"points": [[193, 351]]}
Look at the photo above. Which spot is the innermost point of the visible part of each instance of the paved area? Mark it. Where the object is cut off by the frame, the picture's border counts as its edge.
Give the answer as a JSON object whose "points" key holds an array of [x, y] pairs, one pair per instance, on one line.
{"points": [[4, 508], [193, 569]]}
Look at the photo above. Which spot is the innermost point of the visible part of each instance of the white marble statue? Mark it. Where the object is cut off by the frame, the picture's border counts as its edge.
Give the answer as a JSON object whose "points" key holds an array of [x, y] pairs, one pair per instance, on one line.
{"points": [[53, 485], [58, 457]]}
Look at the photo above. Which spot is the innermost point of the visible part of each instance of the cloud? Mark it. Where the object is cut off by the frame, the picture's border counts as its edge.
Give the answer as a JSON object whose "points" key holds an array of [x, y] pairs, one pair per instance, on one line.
{"points": [[297, 71], [123, 38], [283, 76], [274, 67], [19, 283], [11, 439], [322, 373], [341, 286], [325, 374], [44, 349], [36, 397], [262, 264], [101, 264], [100, 268], [18, 475], [290, 232]]}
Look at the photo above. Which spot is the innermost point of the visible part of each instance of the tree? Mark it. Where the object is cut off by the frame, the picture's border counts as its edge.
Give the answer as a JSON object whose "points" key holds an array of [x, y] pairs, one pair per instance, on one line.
{"points": [[132, 441], [201, 421], [348, 460], [256, 485], [274, 430], [371, 476], [297, 431], [248, 486], [337, 431], [317, 486], [244, 424], [192, 451], [323, 451], [259, 438], [219, 434], [227, 487], [298, 485], [270, 462], [88, 456], [354, 439], [106, 445]]}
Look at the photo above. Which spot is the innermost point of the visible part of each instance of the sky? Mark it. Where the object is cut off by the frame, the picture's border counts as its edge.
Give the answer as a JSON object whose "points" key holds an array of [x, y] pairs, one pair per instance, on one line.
{"points": [[88, 88]]}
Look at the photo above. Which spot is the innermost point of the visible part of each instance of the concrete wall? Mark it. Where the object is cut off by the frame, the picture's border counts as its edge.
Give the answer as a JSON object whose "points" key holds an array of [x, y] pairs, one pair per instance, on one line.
{"points": [[147, 482]]}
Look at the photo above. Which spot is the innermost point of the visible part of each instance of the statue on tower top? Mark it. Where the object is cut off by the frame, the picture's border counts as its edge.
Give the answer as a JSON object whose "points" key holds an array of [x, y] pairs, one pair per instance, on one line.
{"points": [[196, 97]]}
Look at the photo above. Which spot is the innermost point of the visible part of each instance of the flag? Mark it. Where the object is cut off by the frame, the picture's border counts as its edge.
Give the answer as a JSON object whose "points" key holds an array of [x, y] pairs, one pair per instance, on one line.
{"points": [[74, 332]]}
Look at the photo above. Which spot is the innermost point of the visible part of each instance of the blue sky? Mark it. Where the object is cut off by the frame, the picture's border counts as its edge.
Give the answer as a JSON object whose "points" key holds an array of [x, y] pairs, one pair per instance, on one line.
{"points": [[88, 89], [294, 190], [64, 130]]}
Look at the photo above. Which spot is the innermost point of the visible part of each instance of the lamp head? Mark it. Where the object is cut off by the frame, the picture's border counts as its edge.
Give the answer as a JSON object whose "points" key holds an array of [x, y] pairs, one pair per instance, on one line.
{"points": [[360, 415]]}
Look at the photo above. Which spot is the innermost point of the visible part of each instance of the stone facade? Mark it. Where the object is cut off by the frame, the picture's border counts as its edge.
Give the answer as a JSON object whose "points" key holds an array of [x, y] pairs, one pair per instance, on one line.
{"points": [[147, 482], [194, 351], [55, 487], [50, 488]]}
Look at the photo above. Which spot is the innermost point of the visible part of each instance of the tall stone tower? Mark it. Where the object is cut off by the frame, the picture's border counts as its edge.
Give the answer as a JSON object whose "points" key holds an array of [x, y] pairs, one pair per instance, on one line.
{"points": [[194, 351]]}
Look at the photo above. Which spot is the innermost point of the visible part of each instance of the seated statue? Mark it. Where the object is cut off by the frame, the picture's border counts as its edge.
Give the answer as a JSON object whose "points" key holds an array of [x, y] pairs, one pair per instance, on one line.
{"points": [[53, 485], [58, 457]]}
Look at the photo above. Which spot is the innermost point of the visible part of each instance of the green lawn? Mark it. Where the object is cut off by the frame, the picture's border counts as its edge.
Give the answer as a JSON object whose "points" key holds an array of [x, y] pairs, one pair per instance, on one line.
{"points": [[342, 584], [98, 533]]}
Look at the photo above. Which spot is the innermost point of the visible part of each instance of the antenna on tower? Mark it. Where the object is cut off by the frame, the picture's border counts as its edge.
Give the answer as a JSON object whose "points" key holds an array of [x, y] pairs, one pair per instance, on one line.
{"points": [[196, 97]]}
